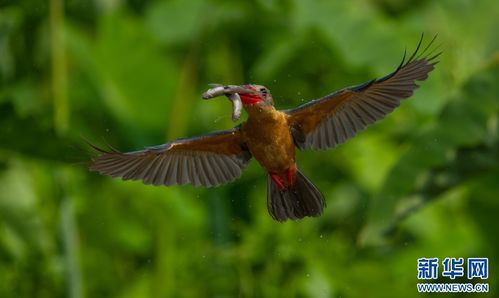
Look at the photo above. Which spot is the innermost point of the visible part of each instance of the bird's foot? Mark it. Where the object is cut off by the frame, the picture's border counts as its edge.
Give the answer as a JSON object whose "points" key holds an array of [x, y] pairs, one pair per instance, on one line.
{"points": [[291, 175], [290, 178], [277, 180]]}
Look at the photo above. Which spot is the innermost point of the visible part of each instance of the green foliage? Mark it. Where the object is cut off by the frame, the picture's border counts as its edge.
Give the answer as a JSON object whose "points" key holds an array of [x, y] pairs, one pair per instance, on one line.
{"points": [[421, 183]]}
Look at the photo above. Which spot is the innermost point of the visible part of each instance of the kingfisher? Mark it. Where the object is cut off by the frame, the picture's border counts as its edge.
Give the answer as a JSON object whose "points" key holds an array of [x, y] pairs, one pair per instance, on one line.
{"points": [[271, 136]]}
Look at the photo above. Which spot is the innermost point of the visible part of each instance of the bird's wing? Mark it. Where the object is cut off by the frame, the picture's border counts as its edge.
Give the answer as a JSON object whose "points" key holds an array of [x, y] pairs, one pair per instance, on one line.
{"points": [[208, 160], [329, 121]]}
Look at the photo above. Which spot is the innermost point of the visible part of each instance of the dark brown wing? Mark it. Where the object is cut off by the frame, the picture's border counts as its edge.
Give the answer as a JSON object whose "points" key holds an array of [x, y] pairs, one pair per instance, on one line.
{"points": [[209, 160], [327, 122]]}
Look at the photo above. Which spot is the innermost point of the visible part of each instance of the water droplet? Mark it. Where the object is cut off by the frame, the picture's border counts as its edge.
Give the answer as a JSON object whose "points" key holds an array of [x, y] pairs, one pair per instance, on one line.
{"points": [[308, 274], [320, 236]]}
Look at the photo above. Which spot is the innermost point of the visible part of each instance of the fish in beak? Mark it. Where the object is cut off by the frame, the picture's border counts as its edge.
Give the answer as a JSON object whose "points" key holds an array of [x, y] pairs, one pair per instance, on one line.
{"points": [[232, 93]]}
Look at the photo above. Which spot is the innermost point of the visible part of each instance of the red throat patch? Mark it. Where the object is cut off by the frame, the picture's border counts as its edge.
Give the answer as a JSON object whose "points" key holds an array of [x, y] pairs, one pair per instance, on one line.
{"points": [[250, 99]]}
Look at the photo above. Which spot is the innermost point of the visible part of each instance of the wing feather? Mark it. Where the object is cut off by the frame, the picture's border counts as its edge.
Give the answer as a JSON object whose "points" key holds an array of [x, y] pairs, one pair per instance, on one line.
{"points": [[209, 160], [327, 122]]}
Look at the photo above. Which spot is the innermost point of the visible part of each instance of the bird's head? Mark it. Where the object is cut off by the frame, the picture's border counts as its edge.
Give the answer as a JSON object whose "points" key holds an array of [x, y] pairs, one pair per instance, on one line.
{"points": [[255, 95], [241, 95]]}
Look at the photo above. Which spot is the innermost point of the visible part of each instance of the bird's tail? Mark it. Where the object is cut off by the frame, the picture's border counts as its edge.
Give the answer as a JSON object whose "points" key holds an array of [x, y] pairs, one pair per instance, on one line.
{"points": [[300, 200]]}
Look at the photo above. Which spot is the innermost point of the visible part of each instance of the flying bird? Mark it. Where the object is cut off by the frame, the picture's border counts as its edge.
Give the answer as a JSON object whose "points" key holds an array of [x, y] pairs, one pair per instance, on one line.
{"points": [[271, 136]]}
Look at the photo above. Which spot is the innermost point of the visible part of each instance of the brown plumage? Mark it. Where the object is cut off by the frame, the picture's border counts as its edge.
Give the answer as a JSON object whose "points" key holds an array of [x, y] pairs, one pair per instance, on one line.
{"points": [[270, 136]]}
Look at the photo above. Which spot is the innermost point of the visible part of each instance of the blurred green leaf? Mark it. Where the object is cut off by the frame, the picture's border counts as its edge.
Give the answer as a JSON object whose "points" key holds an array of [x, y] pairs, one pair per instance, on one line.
{"points": [[129, 70], [177, 21]]}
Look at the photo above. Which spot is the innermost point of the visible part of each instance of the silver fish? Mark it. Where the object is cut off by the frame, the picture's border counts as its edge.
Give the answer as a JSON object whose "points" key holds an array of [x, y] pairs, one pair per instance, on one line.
{"points": [[237, 106], [231, 92], [217, 90]]}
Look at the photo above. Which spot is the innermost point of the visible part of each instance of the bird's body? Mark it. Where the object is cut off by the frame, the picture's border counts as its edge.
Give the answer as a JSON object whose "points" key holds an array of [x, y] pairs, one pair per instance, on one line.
{"points": [[271, 137]]}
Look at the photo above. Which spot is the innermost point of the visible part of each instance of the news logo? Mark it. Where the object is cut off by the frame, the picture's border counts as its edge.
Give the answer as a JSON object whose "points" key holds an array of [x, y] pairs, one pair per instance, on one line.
{"points": [[476, 268]]}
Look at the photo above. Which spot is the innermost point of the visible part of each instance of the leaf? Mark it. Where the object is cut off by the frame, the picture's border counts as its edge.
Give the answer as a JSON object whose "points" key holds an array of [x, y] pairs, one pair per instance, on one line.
{"points": [[135, 79], [174, 22]]}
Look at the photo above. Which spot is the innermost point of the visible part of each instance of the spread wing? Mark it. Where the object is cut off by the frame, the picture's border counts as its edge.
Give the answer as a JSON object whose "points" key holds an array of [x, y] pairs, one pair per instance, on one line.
{"points": [[327, 122], [208, 160]]}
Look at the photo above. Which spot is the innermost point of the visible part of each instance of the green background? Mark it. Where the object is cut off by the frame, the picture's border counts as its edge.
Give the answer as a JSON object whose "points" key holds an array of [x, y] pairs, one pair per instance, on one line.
{"points": [[424, 182]]}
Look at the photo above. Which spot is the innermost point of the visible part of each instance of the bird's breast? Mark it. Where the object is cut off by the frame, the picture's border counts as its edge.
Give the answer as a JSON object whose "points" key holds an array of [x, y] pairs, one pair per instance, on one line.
{"points": [[269, 140]]}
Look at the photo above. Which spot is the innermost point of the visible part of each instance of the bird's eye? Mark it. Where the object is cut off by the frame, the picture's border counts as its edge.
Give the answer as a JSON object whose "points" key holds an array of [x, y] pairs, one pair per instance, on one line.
{"points": [[263, 90]]}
